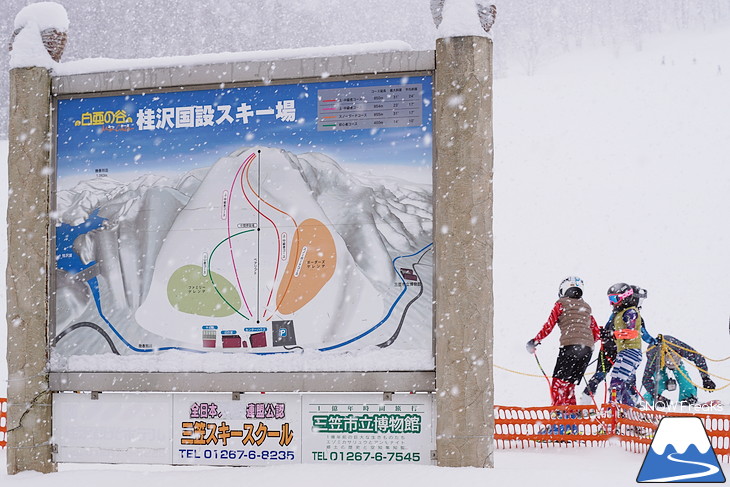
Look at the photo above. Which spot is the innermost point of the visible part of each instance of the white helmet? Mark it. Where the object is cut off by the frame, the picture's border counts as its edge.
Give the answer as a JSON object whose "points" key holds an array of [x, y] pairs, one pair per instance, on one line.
{"points": [[571, 282]]}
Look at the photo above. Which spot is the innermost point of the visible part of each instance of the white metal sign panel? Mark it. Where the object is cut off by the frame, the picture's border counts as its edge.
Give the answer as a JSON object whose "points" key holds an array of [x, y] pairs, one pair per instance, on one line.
{"points": [[363, 428], [257, 429], [115, 428], [253, 429]]}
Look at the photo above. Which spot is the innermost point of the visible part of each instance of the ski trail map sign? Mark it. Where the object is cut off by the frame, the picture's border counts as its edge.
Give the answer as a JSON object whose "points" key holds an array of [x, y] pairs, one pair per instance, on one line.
{"points": [[244, 219]]}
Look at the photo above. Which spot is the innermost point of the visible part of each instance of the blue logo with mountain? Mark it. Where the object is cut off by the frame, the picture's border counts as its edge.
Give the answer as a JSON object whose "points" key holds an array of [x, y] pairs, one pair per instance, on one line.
{"points": [[681, 452]]}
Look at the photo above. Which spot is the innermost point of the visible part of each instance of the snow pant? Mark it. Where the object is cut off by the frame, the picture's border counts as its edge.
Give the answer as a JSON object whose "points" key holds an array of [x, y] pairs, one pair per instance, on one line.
{"points": [[686, 388], [603, 367], [623, 376], [569, 368]]}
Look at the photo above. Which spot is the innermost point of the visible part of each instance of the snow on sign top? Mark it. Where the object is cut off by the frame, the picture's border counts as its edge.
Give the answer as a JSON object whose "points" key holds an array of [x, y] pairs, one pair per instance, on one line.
{"points": [[460, 18], [46, 15], [29, 51], [100, 65]]}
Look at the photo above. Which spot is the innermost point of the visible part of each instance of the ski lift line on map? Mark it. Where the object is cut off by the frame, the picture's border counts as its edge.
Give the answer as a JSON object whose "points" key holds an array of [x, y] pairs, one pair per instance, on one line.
{"points": [[93, 284], [228, 222], [260, 199], [210, 271], [258, 239], [392, 307], [276, 229]]}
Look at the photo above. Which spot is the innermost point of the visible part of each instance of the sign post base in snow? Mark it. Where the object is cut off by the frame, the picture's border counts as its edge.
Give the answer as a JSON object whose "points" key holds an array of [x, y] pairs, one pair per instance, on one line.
{"points": [[29, 399], [463, 299]]}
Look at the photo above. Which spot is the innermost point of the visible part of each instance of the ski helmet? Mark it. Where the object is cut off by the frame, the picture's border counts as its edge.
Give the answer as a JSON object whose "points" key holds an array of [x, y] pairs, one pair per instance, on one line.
{"points": [[638, 297], [619, 293], [571, 287]]}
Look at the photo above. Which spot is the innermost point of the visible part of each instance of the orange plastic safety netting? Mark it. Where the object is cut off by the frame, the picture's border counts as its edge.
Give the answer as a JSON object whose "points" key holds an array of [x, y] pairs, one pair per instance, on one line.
{"points": [[578, 426], [3, 422]]}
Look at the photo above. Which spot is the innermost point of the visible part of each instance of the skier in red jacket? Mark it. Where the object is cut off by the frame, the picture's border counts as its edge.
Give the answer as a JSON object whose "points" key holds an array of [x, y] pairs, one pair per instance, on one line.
{"points": [[578, 332]]}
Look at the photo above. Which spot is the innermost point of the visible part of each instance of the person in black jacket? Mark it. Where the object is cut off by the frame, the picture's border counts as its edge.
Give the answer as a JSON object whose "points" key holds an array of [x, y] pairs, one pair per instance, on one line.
{"points": [[666, 356]]}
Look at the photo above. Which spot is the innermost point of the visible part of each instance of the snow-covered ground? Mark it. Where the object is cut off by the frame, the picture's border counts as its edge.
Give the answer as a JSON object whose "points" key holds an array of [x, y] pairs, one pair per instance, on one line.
{"points": [[563, 466], [611, 167]]}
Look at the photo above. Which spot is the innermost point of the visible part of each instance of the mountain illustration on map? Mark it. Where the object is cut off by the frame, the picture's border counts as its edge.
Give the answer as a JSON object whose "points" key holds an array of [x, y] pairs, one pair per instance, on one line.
{"points": [[681, 452], [266, 250]]}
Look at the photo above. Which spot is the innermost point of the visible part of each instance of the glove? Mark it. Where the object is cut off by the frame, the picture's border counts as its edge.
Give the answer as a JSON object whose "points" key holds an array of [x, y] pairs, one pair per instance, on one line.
{"points": [[532, 346], [708, 383]]}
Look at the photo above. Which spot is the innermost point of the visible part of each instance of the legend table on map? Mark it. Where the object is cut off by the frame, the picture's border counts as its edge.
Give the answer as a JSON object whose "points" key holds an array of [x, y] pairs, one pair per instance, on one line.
{"points": [[369, 107]]}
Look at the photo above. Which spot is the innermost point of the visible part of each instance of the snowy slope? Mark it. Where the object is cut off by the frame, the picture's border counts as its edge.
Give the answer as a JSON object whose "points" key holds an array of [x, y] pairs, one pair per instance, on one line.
{"points": [[138, 251], [614, 169]]}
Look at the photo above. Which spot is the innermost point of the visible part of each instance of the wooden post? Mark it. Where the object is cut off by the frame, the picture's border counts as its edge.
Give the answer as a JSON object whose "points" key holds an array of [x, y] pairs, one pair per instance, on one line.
{"points": [[29, 170], [463, 247]]}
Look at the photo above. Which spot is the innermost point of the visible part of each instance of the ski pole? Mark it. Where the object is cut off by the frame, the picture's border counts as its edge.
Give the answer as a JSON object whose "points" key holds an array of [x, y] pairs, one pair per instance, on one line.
{"points": [[541, 369], [550, 389]]}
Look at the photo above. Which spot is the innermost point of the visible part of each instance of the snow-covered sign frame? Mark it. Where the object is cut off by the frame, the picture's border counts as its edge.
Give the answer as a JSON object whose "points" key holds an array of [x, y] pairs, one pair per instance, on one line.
{"points": [[259, 227]]}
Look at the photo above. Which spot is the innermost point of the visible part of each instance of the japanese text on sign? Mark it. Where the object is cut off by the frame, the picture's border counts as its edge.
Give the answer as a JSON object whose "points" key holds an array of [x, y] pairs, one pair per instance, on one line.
{"points": [[203, 433], [204, 410], [265, 410], [209, 115], [367, 423], [370, 107], [104, 118]]}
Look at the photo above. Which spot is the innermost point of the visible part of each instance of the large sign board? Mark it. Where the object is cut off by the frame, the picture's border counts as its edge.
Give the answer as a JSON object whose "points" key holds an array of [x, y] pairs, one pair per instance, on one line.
{"points": [[253, 429], [246, 219]]}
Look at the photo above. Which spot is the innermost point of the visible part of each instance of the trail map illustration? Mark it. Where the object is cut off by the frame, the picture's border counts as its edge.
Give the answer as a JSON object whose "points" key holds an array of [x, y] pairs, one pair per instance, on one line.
{"points": [[261, 219]]}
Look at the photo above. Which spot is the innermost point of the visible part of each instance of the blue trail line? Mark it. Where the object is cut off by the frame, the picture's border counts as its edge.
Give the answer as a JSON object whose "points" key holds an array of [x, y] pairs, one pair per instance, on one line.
{"points": [[94, 285]]}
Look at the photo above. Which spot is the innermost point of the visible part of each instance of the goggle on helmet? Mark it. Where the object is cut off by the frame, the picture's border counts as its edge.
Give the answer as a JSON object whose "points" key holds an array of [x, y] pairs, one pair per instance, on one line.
{"points": [[618, 293]]}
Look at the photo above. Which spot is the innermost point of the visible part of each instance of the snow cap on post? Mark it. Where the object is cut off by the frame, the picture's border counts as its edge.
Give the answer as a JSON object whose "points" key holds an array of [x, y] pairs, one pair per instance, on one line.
{"points": [[461, 18], [40, 35]]}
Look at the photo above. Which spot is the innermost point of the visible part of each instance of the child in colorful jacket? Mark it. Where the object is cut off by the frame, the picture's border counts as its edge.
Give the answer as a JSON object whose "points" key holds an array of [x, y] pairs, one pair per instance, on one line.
{"points": [[629, 331], [578, 333], [667, 354]]}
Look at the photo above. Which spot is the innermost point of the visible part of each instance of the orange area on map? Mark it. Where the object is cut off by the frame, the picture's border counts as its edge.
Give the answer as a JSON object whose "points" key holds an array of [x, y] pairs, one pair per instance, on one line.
{"points": [[311, 264]]}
